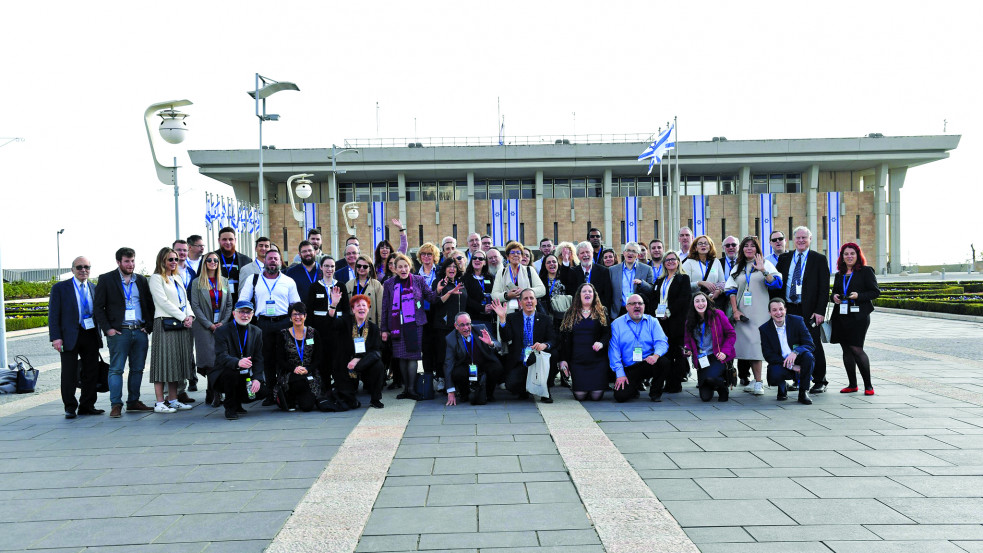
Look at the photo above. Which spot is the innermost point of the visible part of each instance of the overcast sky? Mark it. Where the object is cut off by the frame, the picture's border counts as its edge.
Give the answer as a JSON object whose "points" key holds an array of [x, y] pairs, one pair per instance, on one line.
{"points": [[78, 76]]}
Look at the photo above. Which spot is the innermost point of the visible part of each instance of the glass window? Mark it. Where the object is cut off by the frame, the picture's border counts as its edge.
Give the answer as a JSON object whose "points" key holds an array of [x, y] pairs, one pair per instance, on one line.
{"points": [[379, 191], [561, 188], [429, 192], [727, 184], [579, 188], [710, 185], [363, 192], [393, 192], [692, 186], [776, 184], [480, 189], [759, 184], [644, 187], [445, 191], [547, 188], [512, 189], [528, 189], [595, 188], [413, 191], [495, 190], [346, 192], [793, 183]]}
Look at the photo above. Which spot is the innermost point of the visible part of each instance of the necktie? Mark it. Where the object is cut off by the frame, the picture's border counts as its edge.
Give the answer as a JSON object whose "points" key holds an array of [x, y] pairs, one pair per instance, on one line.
{"points": [[527, 338], [796, 279]]}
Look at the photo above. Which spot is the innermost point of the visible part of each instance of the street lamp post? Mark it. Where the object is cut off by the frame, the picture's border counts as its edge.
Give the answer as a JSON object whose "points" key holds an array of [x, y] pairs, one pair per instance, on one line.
{"points": [[58, 246], [269, 88], [303, 192], [335, 152], [173, 130], [3, 310]]}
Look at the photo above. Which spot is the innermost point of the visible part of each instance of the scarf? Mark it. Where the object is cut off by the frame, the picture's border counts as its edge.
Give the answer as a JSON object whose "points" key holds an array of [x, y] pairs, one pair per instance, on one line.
{"points": [[402, 322]]}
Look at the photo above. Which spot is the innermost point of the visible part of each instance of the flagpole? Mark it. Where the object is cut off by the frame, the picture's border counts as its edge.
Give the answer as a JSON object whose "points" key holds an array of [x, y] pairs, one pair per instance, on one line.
{"points": [[678, 211]]}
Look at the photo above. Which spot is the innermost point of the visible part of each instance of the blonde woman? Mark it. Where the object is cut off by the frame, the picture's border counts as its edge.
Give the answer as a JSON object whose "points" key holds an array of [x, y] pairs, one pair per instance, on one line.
{"points": [[514, 277], [366, 283], [212, 305], [171, 344]]}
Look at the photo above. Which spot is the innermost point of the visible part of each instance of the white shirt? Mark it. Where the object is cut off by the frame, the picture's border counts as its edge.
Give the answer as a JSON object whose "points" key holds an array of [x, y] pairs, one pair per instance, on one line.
{"points": [[783, 339], [282, 291], [194, 263]]}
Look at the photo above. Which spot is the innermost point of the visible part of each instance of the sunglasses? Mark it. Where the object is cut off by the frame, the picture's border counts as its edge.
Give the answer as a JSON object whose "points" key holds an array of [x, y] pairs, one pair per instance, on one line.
{"points": [[361, 266], [594, 236], [730, 245], [171, 259], [85, 267], [777, 239], [477, 259], [211, 260], [458, 258]]}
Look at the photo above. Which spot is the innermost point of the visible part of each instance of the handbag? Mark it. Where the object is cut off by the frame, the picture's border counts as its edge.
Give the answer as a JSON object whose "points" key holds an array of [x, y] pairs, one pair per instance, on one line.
{"points": [[170, 323], [561, 304], [27, 375], [826, 328], [538, 374], [424, 386]]}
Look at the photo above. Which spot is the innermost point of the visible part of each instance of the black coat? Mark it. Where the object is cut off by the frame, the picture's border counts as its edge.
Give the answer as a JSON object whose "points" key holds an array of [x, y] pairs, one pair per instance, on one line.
{"points": [[863, 282], [564, 348], [346, 344], [677, 298], [476, 297], [441, 313], [110, 302], [227, 344], [600, 277], [512, 333], [815, 281]]}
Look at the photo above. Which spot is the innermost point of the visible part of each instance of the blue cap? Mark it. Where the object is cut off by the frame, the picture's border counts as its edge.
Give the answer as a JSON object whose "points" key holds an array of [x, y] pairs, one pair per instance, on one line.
{"points": [[244, 304]]}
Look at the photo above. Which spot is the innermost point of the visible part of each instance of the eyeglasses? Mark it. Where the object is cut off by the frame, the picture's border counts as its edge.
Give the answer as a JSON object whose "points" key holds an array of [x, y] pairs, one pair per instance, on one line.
{"points": [[730, 245], [458, 258], [463, 325], [361, 266], [211, 260], [594, 236], [477, 259], [298, 315], [84, 267], [426, 253], [671, 260], [515, 252], [777, 239], [703, 244], [635, 303], [171, 259]]}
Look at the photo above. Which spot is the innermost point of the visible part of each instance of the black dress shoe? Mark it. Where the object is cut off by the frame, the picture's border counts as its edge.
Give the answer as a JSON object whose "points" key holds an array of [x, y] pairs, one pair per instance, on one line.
{"points": [[241, 411], [804, 398], [92, 411], [231, 415], [269, 401], [70, 415], [376, 404], [546, 399], [818, 388], [656, 398]]}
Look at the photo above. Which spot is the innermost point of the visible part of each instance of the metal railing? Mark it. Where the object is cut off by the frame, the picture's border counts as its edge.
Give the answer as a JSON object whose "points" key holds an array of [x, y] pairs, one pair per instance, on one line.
{"points": [[529, 140]]}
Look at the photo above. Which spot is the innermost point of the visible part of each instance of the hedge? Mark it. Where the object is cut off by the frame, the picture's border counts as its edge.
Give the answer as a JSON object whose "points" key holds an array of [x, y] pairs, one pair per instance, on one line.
{"points": [[26, 323], [917, 304], [20, 290]]}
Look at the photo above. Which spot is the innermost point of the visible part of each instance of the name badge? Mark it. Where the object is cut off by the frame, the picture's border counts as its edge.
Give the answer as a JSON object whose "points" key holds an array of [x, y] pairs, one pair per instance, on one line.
{"points": [[359, 345], [747, 298], [636, 355], [526, 352], [88, 323], [662, 311], [844, 309], [243, 371], [270, 308], [854, 309], [319, 296], [473, 372], [704, 362], [320, 313], [798, 289], [310, 378], [514, 304], [310, 341], [217, 317], [232, 286], [130, 315]]}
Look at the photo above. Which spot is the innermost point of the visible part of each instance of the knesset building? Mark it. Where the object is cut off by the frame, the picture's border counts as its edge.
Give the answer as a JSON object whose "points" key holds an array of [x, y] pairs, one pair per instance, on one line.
{"points": [[446, 187]]}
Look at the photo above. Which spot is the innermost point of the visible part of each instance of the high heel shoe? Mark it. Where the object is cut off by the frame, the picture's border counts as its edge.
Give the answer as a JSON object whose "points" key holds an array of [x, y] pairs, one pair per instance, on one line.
{"points": [[849, 390], [869, 392]]}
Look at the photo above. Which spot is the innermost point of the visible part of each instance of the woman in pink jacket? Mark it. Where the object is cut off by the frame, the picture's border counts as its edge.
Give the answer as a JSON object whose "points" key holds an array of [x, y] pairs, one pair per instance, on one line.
{"points": [[709, 338]]}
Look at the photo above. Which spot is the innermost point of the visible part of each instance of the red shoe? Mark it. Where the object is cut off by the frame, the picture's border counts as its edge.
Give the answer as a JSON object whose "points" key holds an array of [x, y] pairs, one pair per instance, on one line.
{"points": [[869, 392], [849, 390]]}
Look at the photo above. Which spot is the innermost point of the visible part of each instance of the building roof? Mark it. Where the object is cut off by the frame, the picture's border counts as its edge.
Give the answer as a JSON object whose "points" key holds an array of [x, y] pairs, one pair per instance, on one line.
{"points": [[577, 159]]}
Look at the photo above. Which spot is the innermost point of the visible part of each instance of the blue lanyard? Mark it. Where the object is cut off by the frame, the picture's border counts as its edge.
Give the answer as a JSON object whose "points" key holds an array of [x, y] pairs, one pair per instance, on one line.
{"points": [[469, 350], [514, 277], [216, 293], [632, 279], [268, 288], [300, 346], [228, 266], [242, 345], [728, 266], [429, 278], [552, 285], [665, 288], [83, 291], [703, 333], [180, 300], [358, 329], [327, 289], [128, 289], [703, 270], [846, 284], [747, 278], [312, 278], [641, 325], [658, 274]]}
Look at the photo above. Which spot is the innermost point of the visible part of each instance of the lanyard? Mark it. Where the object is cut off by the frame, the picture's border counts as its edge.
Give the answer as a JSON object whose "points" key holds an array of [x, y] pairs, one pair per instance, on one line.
{"points": [[300, 345], [180, 300], [703, 268], [429, 278], [83, 291], [327, 289], [268, 288], [846, 284], [358, 329], [659, 273], [747, 278], [514, 277], [641, 325], [552, 285], [481, 282], [358, 289], [228, 266], [128, 289], [703, 334], [665, 288], [312, 278], [728, 266], [632, 279], [216, 293], [242, 345], [468, 350]]}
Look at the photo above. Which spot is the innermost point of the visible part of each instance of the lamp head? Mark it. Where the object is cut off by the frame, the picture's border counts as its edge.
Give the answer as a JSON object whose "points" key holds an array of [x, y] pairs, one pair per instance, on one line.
{"points": [[304, 189], [173, 129]]}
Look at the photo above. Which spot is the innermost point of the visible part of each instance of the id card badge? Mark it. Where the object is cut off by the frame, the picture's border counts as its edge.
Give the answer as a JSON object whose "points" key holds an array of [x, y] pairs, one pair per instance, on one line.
{"points": [[514, 305], [636, 355], [526, 352], [704, 361], [88, 323], [243, 371], [310, 378], [270, 308], [662, 311], [359, 345], [473, 372], [747, 298], [854, 309], [319, 296], [130, 314], [320, 313], [844, 309], [232, 286], [798, 289], [216, 316]]}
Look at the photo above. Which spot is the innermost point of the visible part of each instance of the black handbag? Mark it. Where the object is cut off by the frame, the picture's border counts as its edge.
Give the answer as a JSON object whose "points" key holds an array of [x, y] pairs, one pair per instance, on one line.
{"points": [[27, 375], [170, 323]]}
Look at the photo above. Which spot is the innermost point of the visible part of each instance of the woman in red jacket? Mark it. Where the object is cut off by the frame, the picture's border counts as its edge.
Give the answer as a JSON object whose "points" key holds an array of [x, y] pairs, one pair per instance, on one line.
{"points": [[709, 339]]}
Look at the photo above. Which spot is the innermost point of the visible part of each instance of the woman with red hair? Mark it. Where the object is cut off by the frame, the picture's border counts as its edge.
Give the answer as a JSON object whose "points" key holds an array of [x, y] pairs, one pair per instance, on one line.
{"points": [[854, 289]]}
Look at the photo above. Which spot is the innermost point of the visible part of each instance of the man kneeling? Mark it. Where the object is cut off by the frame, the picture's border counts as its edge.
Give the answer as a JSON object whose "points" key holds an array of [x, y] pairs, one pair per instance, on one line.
{"points": [[787, 348], [239, 357], [471, 368]]}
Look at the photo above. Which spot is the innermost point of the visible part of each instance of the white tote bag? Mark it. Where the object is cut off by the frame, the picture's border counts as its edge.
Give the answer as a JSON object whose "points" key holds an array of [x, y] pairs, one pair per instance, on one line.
{"points": [[538, 374]]}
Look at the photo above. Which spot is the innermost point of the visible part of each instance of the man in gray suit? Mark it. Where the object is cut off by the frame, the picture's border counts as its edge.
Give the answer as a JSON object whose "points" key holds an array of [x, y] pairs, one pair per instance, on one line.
{"points": [[626, 276]]}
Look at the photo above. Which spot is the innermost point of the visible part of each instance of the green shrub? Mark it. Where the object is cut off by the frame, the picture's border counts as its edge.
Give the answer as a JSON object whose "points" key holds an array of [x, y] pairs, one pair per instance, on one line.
{"points": [[916, 304], [20, 290], [26, 323]]}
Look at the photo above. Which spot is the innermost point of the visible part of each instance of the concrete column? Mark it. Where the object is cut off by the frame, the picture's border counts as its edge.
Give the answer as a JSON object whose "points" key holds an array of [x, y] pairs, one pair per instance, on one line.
{"points": [[608, 232], [401, 188], [743, 191], [471, 221], [333, 202], [540, 230], [896, 181], [880, 217], [812, 210]]}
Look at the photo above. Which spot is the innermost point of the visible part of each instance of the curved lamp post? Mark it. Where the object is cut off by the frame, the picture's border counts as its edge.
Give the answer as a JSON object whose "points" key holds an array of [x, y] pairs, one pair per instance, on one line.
{"points": [[269, 87], [173, 130], [303, 192]]}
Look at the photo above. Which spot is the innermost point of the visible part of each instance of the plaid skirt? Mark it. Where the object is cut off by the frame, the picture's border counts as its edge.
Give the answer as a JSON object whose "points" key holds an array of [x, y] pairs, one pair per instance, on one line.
{"points": [[171, 354]]}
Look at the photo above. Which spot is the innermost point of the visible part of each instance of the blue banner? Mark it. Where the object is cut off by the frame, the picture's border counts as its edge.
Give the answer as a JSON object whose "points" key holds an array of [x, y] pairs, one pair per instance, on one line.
{"points": [[496, 225], [513, 207], [767, 219], [378, 223], [631, 219], [699, 216], [310, 217], [832, 229]]}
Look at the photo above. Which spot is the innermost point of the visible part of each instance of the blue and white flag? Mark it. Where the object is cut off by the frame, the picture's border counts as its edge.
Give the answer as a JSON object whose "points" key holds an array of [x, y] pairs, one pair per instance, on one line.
{"points": [[665, 142], [699, 216], [832, 229], [631, 219], [496, 226], [767, 220], [378, 223], [501, 133], [243, 214], [513, 207], [253, 220], [230, 214], [310, 217], [223, 215]]}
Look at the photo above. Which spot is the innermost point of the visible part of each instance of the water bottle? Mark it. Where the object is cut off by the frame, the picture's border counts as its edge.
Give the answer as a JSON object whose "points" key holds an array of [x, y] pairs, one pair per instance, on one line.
{"points": [[249, 388]]}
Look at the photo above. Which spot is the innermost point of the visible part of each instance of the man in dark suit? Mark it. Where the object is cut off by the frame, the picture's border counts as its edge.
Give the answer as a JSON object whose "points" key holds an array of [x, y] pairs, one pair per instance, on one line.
{"points": [[787, 347], [124, 311], [805, 275], [524, 331], [231, 260], [75, 335], [345, 269], [239, 357], [588, 271], [463, 351], [624, 277]]}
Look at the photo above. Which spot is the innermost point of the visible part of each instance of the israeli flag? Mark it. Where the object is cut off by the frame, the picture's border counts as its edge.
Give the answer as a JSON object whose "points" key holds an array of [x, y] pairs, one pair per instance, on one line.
{"points": [[243, 219], [222, 215], [208, 211], [832, 229], [658, 148], [767, 220], [513, 207], [310, 216], [699, 216], [231, 215], [253, 220], [631, 219], [378, 223], [496, 231]]}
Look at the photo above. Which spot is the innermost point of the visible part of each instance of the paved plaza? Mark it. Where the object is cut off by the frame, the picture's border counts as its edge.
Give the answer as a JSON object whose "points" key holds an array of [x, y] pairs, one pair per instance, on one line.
{"points": [[899, 471]]}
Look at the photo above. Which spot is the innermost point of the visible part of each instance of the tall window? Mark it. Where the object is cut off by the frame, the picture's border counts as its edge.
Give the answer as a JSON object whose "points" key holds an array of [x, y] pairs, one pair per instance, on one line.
{"points": [[346, 192], [556, 232], [561, 188], [363, 192], [512, 189], [655, 229], [759, 184], [454, 232], [413, 192], [692, 186], [495, 190], [480, 189], [445, 191], [528, 189], [595, 188], [644, 187], [793, 183], [578, 188], [461, 190], [429, 192]]}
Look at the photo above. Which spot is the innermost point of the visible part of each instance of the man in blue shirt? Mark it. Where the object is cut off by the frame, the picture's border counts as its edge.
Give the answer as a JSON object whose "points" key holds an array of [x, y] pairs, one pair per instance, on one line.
{"points": [[637, 344]]}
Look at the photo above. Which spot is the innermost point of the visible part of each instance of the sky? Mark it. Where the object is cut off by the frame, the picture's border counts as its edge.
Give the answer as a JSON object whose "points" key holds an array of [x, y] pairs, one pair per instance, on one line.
{"points": [[78, 76]]}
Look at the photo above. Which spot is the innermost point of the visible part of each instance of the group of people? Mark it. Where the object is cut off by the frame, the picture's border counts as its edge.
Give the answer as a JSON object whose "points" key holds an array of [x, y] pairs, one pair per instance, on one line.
{"points": [[303, 335]]}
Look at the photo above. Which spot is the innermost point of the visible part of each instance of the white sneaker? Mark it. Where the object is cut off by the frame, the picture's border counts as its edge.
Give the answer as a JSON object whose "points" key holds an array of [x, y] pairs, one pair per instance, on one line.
{"points": [[750, 386], [161, 407], [758, 390], [178, 406]]}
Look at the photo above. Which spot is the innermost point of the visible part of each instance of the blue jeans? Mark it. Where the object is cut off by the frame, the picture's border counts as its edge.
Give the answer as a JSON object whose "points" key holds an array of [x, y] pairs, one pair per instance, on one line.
{"points": [[132, 345]]}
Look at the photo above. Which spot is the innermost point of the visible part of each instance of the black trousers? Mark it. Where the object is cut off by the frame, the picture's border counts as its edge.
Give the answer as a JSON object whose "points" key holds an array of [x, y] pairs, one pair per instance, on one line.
{"points": [[675, 366], [270, 329], [234, 386], [299, 394], [429, 347], [370, 371], [493, 371], [819, 369], [86, 349], [640, 371]]}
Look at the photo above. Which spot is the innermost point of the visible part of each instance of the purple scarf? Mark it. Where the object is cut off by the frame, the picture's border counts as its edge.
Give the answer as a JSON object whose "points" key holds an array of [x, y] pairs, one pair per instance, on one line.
{"points": [[402, 320]]}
